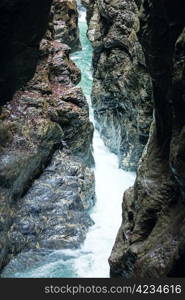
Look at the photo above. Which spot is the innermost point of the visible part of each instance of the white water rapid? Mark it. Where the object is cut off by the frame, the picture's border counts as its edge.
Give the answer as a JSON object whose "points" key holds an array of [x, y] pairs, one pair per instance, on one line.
{"points": [[110, 184], [91, 260]]}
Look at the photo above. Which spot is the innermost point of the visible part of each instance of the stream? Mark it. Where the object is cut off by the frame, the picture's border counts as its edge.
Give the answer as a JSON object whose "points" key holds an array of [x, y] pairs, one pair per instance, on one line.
{"points": [[91, 260]]}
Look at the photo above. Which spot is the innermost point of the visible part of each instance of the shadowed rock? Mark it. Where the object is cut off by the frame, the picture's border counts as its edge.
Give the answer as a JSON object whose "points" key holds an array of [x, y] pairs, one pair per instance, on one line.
{"points": [[151, 240], [122, 91], [46, 180]]}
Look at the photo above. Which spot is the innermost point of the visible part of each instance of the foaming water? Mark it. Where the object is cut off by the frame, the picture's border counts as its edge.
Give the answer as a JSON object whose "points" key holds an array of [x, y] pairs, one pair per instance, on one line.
{"points": [[91, 260], [110, 185]]}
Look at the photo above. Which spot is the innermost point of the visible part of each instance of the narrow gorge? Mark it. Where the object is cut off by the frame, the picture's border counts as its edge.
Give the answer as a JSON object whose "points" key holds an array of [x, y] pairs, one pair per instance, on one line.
{"points": [[91, 138]]}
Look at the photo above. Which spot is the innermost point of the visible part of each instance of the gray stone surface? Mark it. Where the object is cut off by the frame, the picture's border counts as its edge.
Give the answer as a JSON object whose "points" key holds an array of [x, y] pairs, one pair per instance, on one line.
{"points": [[151, 240], [122, 92]]}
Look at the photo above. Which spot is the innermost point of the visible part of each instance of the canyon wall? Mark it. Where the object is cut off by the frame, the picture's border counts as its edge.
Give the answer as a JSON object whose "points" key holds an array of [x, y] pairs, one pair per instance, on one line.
{"points": [[20, 37], [122, 92], [46, 183], [151, 240]]}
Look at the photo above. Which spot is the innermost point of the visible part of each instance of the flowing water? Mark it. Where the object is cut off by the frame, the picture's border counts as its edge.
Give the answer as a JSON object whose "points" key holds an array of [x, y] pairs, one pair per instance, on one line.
{"points": [[91, 260]]}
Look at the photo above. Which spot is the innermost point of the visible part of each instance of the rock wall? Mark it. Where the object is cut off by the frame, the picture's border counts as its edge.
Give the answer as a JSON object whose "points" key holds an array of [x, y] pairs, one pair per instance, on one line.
{"points": [[46, 183], [20, 38], [151, 240], [65, 22], [122, 93]]}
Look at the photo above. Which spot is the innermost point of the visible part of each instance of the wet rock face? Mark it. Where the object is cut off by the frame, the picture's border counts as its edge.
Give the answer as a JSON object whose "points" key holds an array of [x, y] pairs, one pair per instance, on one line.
{"points": [[150, 242], [122, 93], [20, 37], [54, 212], [46, 183], [66, 23]]}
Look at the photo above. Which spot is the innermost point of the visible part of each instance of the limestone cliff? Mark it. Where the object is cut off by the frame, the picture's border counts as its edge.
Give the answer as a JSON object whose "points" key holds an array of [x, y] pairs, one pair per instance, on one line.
{"points": [[151, 240], [122, 93], [46, 183]]}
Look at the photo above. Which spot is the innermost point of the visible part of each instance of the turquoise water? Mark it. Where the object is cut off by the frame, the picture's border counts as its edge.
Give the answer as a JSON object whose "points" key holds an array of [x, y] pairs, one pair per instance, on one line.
{"points": [[83, 60], [91, 260]]}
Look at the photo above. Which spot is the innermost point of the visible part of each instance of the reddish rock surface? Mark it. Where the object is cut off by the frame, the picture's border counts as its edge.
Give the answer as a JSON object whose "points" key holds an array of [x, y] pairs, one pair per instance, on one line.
{"points": [[45, 124]]}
